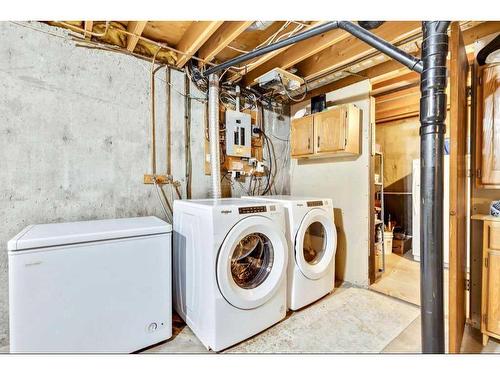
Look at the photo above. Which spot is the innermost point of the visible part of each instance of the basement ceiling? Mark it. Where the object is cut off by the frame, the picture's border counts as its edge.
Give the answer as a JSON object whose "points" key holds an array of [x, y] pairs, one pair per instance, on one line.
{"points": [[327, 59]]}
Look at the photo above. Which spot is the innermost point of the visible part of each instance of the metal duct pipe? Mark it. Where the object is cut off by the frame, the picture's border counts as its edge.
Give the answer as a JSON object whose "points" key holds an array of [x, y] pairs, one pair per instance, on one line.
{"points": [[442, 26], [432, 130], [370, 25], [382, 45], [366, 36], [213, 131], [272, 47]]}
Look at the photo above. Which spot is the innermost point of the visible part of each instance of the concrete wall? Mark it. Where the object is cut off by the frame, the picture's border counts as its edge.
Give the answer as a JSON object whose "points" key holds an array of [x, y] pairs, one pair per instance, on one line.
{"points": [[346, 182], [75, 135]]}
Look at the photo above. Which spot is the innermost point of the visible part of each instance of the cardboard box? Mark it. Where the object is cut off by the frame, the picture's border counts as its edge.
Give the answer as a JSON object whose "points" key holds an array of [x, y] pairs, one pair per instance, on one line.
{"points": [[401, 246]]}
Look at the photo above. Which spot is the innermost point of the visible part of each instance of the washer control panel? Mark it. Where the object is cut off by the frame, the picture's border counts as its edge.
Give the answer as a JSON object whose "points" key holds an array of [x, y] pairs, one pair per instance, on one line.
{"points": [[252, 210]]}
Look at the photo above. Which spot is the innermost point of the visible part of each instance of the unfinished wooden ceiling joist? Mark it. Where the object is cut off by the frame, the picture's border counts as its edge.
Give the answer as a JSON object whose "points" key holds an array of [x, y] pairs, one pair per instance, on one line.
{"points": [[194, 37], [350, 49], [134, 27], [328, 61], [226, 34]]}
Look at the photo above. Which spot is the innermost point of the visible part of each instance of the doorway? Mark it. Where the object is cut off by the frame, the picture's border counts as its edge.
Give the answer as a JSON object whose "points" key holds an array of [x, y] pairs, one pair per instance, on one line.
{"points": [[396, 197]]}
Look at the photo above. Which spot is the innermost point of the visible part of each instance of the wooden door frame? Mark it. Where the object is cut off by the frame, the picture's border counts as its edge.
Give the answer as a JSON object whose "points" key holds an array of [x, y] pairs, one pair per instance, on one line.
{"points": [[459, 67]]}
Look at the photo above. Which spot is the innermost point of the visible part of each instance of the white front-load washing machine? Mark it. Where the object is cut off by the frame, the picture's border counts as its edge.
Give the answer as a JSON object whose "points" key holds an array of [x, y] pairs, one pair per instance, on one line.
{"points": [[229, 264], [312, 242]]}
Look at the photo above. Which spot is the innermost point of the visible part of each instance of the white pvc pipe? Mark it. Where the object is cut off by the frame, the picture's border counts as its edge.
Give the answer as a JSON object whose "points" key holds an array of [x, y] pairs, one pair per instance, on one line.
{"points": [[213, 131]]}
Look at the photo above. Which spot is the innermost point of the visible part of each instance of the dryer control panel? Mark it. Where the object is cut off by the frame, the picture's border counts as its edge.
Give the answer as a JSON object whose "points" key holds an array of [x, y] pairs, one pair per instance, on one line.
{"points": [[314, 203]]}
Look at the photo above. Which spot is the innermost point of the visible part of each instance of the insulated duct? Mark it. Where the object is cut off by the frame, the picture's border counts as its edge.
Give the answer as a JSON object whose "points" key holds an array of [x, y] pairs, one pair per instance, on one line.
{"points": [[213, 132], [432, 130]]}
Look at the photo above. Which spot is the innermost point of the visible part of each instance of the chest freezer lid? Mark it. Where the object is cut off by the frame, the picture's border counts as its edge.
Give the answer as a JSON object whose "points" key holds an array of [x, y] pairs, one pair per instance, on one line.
{"points": [[47, 235]]}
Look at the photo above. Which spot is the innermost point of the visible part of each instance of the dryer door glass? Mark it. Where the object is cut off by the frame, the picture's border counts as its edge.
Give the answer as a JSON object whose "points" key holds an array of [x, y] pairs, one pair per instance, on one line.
{"points": [[252, 260], [314, 243]]}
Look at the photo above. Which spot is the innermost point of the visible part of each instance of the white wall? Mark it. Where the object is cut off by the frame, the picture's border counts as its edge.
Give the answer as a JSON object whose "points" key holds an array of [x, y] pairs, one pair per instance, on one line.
{"points": [[346, 182]]}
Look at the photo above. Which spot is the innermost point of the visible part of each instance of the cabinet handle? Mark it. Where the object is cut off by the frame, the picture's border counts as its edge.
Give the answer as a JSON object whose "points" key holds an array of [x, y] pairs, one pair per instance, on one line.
{"points": [[318, 141], [309, 143]]}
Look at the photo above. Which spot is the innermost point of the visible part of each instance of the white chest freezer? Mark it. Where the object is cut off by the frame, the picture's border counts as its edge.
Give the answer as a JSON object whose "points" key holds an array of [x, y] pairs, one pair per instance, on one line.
{"points": [[91, 286]]}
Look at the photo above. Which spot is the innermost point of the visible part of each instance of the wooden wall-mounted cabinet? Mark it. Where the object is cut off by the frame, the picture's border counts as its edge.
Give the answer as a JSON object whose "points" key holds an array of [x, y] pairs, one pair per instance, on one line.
{"points": [[334, 132], [302, 136], [488, 127]]}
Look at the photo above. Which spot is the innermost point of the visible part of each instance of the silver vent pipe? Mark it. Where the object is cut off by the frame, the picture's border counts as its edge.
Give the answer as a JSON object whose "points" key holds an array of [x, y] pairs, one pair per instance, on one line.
{"points": [[213, 132]]}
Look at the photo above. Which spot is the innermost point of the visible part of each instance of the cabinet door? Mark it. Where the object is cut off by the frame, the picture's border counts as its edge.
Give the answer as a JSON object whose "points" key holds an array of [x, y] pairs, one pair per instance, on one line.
{"points": [[330, 130], [490, 169], [493, 308], [302, 136], [491, 278]]}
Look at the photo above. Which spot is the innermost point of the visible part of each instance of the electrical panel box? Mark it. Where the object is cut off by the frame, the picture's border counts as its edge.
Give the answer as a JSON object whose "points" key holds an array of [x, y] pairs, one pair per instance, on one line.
{"points": [[238, 134]]}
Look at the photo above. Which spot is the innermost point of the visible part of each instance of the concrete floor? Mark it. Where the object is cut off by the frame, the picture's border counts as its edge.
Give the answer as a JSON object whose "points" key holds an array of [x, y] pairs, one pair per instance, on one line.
{"points": [[402, 280], [409, 341], [350, 320], [404, 337]]}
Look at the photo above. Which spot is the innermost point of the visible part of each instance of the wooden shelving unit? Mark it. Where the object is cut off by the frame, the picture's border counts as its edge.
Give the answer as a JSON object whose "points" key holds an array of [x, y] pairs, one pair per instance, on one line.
{"points": [[378, 209]]}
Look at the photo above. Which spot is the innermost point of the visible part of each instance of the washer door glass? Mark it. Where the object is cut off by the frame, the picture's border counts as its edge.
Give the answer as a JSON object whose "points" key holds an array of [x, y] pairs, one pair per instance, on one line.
{"points": [[251, 264], [314, 244], [252, 260]]}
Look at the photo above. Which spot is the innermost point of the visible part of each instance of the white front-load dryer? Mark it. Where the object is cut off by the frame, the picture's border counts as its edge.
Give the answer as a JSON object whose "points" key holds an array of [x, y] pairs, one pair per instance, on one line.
{"points": [[229, 268], [312, 243]]}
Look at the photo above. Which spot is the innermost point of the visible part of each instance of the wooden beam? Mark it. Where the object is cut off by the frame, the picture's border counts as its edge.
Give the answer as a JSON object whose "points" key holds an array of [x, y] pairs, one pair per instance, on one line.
{"points": [[458, 211], [480, 31], [88, 28], [194, 37], [289, 56], [397, 105], [303, 50], [351, 48], [398, 94], [375, 71], [391, 69], [135, 27], [228, 32], [403, 79]]}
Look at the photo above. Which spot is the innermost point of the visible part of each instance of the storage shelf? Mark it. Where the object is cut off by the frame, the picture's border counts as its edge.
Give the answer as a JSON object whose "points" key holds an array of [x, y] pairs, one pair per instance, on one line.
{"points": [[378, 190]]}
